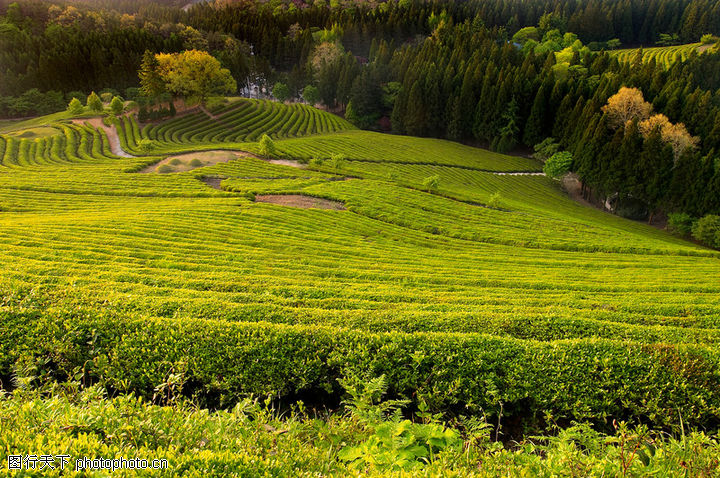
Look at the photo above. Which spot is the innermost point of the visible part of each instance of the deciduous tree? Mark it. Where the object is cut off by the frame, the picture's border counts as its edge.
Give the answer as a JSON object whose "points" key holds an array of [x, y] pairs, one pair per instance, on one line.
{"points": [[626, 105]]}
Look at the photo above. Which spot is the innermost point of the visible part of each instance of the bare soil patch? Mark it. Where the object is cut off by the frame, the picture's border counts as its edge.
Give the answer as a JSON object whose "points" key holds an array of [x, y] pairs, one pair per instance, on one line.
{"points": [[703, 48], [213, 182], [300, 201], [188, 161], [286, 162]]}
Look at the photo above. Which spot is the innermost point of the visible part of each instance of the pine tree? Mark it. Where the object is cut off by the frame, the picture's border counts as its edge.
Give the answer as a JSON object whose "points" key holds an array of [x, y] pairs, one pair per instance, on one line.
{"points": [[534, 127], [151, 84], [416, 117]]}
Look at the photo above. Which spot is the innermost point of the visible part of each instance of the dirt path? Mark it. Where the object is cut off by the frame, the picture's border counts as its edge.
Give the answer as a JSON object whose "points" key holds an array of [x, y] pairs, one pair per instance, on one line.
{"points": [[111, 132], [572, 185], [703, 48], [521, 174]]}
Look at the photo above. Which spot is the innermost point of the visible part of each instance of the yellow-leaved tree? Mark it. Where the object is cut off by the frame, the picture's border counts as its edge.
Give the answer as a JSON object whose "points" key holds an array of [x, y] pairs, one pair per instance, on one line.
{"points": [[676, 135], [626, 105], [194, 74]]}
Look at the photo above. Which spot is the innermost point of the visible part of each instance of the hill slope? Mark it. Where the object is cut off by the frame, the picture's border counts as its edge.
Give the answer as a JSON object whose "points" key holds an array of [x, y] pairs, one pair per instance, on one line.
{"points": [[519, 303]]}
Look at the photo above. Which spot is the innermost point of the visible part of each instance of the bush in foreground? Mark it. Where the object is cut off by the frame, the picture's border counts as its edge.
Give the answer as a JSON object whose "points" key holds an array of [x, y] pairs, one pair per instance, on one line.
{"points": [[680, 224], [558, 164], [580, 379], [707, 230], [369, 438]]}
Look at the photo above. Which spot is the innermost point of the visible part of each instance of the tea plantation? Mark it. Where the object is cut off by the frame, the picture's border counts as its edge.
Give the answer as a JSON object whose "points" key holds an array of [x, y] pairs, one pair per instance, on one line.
{"points": [[663, 55], [484, 294]]}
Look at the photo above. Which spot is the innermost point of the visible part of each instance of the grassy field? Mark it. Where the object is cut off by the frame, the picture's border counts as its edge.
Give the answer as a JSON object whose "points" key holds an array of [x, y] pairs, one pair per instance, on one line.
{"points": [[664, 55], [489, 294]]}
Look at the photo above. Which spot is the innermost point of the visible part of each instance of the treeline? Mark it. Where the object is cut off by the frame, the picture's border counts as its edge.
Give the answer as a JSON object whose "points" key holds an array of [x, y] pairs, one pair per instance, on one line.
{"points": [[466, 83], [87, 45]]}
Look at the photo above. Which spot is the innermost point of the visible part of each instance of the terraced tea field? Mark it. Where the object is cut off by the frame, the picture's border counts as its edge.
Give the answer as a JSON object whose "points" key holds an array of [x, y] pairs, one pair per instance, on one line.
{"points": [[489, 293], [664, 55]]}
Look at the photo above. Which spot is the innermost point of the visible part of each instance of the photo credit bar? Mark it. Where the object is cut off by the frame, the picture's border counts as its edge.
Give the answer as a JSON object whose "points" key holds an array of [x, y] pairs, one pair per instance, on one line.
{"points": [[60, 462], [112, 464]]}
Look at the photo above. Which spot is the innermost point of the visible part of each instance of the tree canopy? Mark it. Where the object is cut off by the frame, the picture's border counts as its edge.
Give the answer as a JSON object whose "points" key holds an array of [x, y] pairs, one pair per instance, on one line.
{"points": [[189, 74]]}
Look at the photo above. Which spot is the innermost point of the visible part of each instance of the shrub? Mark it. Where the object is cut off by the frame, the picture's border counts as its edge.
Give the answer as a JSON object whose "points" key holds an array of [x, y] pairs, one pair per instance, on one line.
{"points": [[175, 162], [94, 102], [707, 230], [281, 92], [546, 149], [680, 224], [164, 169], [708, 39], [431, 183], [75, 94], [196, 163], [267, 146], [132, 93], [337, 162], [494, 201], [116, 105], [146, 145], [75, 107], [106, 97], [529, 378], [558, 164], [311, 94]]}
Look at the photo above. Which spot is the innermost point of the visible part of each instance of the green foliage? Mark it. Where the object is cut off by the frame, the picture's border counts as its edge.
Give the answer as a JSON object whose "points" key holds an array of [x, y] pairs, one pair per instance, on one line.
{"points": [[707, 230], [665, 56], [195, 163], [680, 224], [281, 92], [94, 103], [495, 201], [240, 120], [252, 439], [311, 94], [146, 146], [668, 39], [558, 164], [267, 146], [116, 105], [190, 74], [546, 149], [709, 39], [75, 107], [337, 162], [165, 168], [431, 183]]}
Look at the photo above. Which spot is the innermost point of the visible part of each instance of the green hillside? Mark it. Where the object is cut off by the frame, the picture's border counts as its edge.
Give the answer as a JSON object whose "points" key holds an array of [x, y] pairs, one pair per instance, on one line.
{"points": [[486, 293]]}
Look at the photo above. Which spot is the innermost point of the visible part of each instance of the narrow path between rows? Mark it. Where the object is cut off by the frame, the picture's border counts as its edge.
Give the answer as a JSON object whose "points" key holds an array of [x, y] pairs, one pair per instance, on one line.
{"points": [[111, 132]]}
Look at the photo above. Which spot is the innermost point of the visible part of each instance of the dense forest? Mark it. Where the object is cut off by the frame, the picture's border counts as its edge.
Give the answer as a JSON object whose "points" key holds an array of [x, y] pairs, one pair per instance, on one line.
{"points": [[504, 74]]}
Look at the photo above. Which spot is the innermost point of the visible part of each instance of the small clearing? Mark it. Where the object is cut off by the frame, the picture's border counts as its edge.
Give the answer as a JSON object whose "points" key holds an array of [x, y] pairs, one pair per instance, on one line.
{"points": [[286, 162], [111, 133], [300, 201], [213, 182], [189, 161]]}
